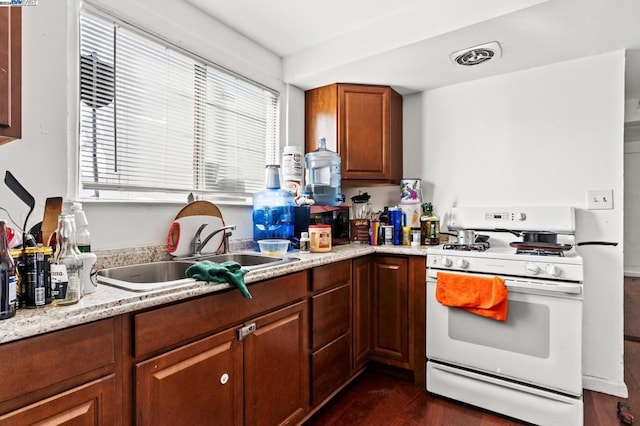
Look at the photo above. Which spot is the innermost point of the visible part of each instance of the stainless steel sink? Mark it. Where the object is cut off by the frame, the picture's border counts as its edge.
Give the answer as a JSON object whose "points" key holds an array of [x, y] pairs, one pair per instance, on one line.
{"points": [[157, 275], [146, 276]]}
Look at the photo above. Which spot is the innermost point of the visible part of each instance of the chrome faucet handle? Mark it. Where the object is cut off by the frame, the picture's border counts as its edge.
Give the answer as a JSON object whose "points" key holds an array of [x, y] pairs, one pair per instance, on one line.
{"points": [[195, 241], [198, 248], [225, 238]]}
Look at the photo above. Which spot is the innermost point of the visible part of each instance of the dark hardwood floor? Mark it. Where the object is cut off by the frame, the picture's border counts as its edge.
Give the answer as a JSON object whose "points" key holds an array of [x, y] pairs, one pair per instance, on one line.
{"points": [[377, 398], [632, 308]]}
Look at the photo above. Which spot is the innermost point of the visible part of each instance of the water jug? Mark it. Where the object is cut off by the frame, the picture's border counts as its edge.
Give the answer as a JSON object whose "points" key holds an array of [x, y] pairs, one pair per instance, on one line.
{"points": [[273, 209], [323, 176]]}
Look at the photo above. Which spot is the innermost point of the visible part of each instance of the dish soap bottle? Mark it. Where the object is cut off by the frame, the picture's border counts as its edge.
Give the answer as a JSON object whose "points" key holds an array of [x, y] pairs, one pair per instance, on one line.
{"points": [[273, 209], [429, 226], [82, 228]]}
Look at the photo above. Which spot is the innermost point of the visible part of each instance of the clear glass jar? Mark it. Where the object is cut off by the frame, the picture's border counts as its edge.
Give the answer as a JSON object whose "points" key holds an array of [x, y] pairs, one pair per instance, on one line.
{"points": [[65, 270]]}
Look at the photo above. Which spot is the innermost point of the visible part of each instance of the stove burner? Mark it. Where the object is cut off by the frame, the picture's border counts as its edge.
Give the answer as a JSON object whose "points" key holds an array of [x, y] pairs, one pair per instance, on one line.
{"points": [[467, 247], [541, 252]]}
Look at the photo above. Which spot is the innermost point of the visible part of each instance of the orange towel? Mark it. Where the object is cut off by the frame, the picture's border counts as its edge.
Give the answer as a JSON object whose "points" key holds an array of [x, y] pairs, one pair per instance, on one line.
{"points": [[479, 295]]}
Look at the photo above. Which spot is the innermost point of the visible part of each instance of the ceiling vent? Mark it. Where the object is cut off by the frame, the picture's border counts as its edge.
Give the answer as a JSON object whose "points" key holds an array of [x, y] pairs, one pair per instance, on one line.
{"points": [[477, 54]]}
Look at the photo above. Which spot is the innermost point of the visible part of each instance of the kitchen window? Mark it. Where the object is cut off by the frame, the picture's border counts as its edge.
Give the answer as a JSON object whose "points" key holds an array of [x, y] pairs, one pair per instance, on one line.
{"points": [[157, 123]]}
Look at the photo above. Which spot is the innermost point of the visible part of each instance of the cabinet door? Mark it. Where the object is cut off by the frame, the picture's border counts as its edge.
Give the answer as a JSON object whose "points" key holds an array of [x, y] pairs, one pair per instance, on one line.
{"points": [[370, 132], [89, 404], [10, 73], [192, 385], [276, 368], [390, 309], [363, 124], [363, 142], [361, 312]]}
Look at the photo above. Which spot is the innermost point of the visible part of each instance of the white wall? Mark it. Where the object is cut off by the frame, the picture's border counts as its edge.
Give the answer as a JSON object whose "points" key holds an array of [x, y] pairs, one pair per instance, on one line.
{"points": [[543, 136], [41, 159], [632, 187]]}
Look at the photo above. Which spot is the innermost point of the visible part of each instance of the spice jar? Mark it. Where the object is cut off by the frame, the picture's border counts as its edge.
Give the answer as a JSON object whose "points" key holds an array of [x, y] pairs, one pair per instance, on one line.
{"points": [[320, 238]]}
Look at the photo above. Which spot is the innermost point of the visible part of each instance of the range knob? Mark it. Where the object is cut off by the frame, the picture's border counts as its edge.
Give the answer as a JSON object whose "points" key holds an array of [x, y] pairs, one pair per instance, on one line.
{"points": [[463, 263], [532, 268], [446, 261], [521, 216], [554, 271]]}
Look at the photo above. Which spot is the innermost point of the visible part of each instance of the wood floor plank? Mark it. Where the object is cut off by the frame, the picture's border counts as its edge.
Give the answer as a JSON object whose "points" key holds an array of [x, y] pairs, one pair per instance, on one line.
{"points": [[632, 308]]}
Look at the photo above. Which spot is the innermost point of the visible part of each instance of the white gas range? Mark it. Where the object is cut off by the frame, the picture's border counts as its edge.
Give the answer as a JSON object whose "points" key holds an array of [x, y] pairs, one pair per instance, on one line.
{"points": [[529, 366]]}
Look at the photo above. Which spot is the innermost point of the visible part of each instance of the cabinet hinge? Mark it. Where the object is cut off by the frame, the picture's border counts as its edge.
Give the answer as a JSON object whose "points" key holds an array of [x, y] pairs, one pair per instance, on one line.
{"points": [[246, 330]]}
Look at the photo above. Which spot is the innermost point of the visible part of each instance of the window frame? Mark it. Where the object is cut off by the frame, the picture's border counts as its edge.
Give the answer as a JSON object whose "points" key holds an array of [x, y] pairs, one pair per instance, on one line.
{"points": [[241, 199]]}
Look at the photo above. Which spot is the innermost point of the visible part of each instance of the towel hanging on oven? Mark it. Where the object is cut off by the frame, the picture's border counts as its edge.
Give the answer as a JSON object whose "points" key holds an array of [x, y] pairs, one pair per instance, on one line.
{"points": [[485, 296]]}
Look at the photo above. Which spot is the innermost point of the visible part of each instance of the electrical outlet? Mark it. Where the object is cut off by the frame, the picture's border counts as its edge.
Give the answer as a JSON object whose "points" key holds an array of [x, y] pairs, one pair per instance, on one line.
{"points": [[599, 199]]}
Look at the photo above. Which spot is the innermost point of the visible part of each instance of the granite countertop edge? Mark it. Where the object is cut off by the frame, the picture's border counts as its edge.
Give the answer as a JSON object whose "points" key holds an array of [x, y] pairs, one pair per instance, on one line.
{"points": [[110, 301]]}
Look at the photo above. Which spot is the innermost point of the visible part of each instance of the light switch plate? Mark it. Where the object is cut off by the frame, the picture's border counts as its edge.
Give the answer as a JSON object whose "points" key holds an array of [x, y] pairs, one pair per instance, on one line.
{"points": [[599, 199]]}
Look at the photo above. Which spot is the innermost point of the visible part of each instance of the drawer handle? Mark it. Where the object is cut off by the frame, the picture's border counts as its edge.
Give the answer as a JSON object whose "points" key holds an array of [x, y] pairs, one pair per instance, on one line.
{"points": [[224, 379]]}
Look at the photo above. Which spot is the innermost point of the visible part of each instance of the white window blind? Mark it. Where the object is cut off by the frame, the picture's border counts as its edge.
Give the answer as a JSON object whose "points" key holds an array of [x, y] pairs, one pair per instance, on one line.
{"points": [[157, 123]]}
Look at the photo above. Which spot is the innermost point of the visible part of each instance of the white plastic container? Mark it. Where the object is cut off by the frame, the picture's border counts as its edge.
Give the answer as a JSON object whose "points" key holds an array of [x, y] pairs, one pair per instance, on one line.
{"points": [[320, 238], [292, 169]]}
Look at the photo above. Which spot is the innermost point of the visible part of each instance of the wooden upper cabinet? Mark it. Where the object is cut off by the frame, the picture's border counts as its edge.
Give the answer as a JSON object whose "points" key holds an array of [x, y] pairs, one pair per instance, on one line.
{"points": [[10, 73], [363, 124]]}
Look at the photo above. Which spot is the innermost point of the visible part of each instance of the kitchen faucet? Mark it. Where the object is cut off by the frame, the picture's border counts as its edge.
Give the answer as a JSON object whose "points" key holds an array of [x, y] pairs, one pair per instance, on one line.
{"points": [[197, 244]]}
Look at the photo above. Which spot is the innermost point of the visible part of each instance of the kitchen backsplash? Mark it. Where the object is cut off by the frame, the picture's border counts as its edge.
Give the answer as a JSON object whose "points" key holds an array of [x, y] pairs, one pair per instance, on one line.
{"points": [[135, 255]]}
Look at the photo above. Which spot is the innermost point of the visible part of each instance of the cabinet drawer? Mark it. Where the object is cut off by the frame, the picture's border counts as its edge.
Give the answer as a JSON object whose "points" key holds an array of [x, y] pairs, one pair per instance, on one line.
{"points": [[331, 275], [164, 327], [63, 356], [329, 368], [93, 403], [330, 315]]}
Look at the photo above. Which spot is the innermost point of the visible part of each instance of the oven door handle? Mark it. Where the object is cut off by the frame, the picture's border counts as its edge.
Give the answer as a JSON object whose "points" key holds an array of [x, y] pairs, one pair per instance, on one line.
{"points": [[547, 288]]}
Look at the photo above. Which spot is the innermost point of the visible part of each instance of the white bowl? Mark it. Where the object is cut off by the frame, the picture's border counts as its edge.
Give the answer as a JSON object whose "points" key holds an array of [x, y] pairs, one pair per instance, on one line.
{"points": [[273, 247]]}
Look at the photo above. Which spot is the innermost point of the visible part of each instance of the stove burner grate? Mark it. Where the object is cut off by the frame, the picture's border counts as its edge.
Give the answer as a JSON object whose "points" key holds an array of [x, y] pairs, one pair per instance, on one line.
{"points": [[467, 247], [541, 252]]}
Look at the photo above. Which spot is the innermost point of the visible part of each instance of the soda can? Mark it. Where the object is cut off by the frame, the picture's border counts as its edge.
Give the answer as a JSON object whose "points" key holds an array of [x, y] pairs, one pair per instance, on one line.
{"points": [[406, 236], [387, 234], [374, 229]]}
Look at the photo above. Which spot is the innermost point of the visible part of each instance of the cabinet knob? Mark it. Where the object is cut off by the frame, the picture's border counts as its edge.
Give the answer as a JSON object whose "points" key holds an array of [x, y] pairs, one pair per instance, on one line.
{"points": [[224, 378]]}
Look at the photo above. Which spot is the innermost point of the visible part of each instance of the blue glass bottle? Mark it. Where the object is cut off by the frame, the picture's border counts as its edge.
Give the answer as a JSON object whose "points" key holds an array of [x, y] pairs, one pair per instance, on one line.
{"points": [[273, 209]]}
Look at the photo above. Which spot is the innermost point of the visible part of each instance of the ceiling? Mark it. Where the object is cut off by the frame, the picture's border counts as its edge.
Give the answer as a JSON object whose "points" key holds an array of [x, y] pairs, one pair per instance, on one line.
{"points": [[406, 43]]}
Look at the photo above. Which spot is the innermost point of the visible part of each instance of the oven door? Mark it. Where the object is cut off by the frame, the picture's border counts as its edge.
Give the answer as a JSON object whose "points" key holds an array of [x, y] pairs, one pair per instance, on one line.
{"points": [[539, 344]]}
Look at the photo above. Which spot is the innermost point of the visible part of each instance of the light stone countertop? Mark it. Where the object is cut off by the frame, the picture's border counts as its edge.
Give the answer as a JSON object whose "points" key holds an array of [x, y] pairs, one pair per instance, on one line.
{"points": [[110, 301]]}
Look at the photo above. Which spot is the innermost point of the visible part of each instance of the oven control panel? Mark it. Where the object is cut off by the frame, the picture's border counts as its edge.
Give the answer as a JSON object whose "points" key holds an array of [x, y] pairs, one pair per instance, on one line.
{"points": [[559, 219], [524, 266]]}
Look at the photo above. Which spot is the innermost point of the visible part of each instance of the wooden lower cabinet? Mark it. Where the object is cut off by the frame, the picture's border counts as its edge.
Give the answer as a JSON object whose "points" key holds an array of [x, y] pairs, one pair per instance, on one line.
{"points": [[261, 379], [329, 368], [390, 310], [398, 313], [192, 384], [90, 404], [330, 329], [305, 335], [361, 312], [276, 368], [68, 376]]}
